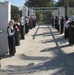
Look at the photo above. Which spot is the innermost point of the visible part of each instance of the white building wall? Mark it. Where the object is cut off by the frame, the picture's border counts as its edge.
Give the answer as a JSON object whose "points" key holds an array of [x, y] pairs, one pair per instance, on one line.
{"points": [[5, 16], [24, 12], [70, 11], [31, 11], [61, 12], [55, 12]]}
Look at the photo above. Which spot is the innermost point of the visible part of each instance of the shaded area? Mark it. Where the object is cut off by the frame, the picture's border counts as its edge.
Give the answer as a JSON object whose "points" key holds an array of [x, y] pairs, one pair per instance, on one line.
{"points": [[36, 32], [33, 58], [64, 63], [5, 56], [59, 40], [59, 50], [43, 34], [3, 72]]}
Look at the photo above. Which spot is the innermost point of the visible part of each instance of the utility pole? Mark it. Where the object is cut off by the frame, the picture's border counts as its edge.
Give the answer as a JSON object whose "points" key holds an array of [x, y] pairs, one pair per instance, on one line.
{"points": [[66, 4]]}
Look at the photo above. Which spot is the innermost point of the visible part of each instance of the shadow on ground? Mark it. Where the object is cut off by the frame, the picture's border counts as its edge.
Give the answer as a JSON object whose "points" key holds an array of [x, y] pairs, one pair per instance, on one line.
{"points": [[64, 63]]}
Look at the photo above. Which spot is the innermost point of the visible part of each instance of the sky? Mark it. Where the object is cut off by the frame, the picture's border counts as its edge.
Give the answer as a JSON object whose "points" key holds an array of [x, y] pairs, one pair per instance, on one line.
{"points": [[18, 3]]}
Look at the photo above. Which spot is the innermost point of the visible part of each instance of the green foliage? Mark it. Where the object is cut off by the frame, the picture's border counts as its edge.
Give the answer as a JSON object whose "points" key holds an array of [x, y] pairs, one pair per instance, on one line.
{"points": [[39, 16], [71, 13], [47, 16], [60, 3], [39, 3], [15, 12]]}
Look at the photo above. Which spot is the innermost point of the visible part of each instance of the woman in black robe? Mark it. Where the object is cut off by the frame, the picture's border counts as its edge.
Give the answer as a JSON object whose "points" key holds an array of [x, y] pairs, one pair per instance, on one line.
{"points": [[56, 23], [11, 40], [30, 22], [17, 31], [26, 25], [71, 33], [66, 26], [34, 21], [22, 28], [52, 21], [62, 24]]}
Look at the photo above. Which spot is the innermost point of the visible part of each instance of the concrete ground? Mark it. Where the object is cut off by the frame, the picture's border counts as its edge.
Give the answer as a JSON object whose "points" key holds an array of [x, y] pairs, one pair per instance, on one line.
{"points": [[43, 52]]}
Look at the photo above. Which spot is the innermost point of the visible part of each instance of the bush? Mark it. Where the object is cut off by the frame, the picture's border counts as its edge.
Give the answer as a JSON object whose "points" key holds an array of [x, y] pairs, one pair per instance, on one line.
{"points": [[39, 16]]}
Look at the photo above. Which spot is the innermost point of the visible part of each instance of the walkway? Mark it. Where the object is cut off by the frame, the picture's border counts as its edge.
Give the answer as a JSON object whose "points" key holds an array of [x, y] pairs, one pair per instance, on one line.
{"points": [[43, 52]]}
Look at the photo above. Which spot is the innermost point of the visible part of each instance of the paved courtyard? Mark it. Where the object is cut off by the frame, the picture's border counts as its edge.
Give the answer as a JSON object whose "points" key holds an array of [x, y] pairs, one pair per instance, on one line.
{"points": [[43, 52]]}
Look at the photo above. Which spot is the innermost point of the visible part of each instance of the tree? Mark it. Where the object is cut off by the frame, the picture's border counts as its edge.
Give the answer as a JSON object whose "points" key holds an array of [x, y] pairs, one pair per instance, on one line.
{"points": [[15, 12], [39, 3], [39, 16], [61, 3]]}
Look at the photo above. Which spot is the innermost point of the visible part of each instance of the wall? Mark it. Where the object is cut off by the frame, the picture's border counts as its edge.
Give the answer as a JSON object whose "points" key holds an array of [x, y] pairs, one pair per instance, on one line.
{"points": [[31, 11], [70, 11], [24, 11], [59, 12], [5, 16], [55, 12]]}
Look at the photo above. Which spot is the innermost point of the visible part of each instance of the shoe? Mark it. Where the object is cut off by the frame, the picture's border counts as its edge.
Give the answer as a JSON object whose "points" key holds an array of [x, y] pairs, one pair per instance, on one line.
{"points": [[70, 44], [12, 54]]}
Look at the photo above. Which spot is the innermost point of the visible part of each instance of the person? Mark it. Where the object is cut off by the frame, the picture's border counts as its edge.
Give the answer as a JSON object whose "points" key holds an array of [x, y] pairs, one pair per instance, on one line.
{"points": [[17, 31], [52, 20], [30, 22], [66, 26], [71, 31], [22, 27], [62, 24], [34, 21], [56, 23], [11, 40], [26, 25]]}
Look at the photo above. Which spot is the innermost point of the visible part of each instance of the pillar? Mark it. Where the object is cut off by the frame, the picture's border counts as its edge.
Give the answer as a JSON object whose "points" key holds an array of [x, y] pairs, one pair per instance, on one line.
{"points": [[5, 16]]}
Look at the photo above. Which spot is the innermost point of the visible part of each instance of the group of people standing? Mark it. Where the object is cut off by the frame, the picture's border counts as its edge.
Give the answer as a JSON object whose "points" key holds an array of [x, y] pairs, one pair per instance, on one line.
{"points": [[65, 25], [16, 30]]}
